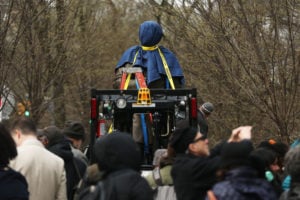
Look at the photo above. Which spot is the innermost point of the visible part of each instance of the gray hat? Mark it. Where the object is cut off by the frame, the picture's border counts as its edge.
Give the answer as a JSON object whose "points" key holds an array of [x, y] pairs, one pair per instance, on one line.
{"points": [[74, 129], [207, 107], [159, 153]]}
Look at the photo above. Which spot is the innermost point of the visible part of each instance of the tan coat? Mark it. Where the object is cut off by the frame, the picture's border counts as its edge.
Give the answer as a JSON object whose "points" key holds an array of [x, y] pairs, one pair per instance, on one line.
{"points": [[43, 171]]}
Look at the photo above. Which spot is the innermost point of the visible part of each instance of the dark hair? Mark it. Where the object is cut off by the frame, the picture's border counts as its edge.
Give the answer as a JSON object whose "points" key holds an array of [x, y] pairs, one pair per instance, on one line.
{"points": [[267, 156], [26, 125], [53, 134], [7, 146]]}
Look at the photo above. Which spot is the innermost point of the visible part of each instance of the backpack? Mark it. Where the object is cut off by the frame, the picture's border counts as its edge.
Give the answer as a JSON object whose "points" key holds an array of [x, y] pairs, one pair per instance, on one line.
{"points": [[93, 192], [104, 189]]}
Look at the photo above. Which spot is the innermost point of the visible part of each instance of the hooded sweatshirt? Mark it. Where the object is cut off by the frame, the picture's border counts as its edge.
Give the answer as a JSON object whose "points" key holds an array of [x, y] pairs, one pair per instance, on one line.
{"points": [[13, 185]]}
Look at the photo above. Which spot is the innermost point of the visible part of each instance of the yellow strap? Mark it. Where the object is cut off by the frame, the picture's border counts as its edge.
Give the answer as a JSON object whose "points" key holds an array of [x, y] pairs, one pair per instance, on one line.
{"points": [[149, 48], [135, 57], [111, 128], [163, 61], [166, 69]]}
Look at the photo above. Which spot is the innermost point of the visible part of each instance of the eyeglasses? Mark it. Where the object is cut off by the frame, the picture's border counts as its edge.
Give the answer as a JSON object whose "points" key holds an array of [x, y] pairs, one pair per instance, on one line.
{"points": [[202, 138]]}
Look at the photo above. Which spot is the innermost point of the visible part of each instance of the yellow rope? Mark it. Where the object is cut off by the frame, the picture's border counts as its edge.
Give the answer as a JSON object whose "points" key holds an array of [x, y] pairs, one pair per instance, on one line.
{"points": [[163, 61], [149, 48], [166, 69], [129, 75]]}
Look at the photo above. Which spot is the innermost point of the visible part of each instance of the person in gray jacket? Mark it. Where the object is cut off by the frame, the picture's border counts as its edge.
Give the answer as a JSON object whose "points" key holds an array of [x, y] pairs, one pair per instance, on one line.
{"points": [[292, 167]]}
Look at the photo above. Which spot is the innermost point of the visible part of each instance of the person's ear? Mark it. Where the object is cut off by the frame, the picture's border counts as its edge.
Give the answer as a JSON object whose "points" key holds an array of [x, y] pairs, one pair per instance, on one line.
{"points": [[17, 136], [192, 147], [18, 133]]}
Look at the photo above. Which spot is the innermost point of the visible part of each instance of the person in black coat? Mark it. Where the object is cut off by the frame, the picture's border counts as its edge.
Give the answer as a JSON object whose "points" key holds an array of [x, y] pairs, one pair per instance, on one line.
{"points": [[195, 166], [118, 159], [13, 185], [194, 170], [59, 145], [239, 174]]}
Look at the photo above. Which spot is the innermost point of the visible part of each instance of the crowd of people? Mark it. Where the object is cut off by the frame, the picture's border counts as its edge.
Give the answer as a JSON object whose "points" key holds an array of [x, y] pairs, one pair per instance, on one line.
{"points": [[48, 164], [40, 164]]}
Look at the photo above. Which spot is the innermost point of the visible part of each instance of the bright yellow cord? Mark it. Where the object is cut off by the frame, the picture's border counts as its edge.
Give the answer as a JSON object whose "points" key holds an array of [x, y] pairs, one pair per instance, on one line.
{"points": [[166, 69]]}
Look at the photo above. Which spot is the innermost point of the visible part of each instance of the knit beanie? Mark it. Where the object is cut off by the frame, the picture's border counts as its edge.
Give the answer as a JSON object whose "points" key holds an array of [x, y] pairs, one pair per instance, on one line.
{"points": [[158, 155], [207, 107], [75, 130], [235, 154]]}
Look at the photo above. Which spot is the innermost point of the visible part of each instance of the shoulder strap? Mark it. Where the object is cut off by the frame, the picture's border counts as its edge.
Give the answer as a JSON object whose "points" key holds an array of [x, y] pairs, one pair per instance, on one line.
{"points": [[76, 169], [166, 69], [157, 176], [100, 186]]}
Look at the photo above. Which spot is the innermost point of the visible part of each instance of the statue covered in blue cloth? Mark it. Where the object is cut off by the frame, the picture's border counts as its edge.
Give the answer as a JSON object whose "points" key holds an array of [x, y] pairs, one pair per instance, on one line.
{"points": [[161, 69], [153, 58]]}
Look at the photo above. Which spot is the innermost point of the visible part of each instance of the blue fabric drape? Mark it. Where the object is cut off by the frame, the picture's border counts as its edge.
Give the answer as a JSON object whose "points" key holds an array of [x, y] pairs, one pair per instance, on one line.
{"points": [[150, 34]]}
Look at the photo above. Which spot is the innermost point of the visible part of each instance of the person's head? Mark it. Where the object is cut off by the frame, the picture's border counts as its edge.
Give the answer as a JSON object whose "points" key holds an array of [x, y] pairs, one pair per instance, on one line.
{"points": [[207, 108], [117, 151], [292, 163], [53, 135], [23, 128], [268, 157], [189, 140], [150, 33], [74, 131], [7, 146], [235, 155], [279, 148], [42, 137]]}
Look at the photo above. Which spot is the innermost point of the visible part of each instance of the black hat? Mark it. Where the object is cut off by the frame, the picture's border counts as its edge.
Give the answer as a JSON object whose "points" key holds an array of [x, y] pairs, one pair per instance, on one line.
{"points": [[116, 151], [53, 134], [236, 154], [181, 139], [75, 130]]}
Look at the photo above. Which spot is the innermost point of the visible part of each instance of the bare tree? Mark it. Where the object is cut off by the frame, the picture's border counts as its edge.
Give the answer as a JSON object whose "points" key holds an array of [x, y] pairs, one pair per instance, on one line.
{"points": [[36, 53], [246, 54], [5, 56], [103, 31], [60, 49]]}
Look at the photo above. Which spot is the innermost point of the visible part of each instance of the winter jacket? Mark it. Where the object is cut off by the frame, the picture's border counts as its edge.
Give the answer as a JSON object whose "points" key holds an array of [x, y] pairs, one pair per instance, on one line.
{"points": [[242, 184], [193, 176], [13, 185], [43, 170], [75, 168], [125, 184]]}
